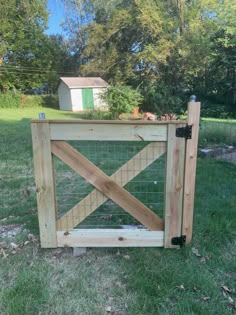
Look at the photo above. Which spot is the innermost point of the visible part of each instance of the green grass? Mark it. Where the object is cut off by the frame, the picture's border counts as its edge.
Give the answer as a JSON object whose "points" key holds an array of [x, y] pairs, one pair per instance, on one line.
{"points": [[140, 281], [217, 131]]}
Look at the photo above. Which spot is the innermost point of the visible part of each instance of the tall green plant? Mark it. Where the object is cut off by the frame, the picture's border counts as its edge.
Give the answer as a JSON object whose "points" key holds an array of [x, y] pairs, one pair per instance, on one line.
{"points": [[122, 99], [10, 100]]}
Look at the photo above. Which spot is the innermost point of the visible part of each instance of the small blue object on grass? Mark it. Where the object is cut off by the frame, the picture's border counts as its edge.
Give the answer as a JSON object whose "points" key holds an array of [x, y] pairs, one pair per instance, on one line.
{"points": [[42, 116]]}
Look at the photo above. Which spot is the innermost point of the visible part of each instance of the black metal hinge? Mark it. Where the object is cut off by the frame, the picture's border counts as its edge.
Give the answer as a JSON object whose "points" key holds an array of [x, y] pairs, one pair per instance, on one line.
{"points": [[184, 132], [179, 240]]}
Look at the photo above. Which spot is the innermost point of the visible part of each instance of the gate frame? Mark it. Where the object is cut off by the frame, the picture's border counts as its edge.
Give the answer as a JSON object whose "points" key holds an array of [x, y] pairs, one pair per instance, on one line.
{"points": [[179, 185]]}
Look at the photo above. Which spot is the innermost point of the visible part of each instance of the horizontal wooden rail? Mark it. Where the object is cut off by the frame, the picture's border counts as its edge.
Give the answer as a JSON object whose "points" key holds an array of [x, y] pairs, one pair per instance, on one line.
{"points": [[109, 122], [110, 238], [108, 132]]}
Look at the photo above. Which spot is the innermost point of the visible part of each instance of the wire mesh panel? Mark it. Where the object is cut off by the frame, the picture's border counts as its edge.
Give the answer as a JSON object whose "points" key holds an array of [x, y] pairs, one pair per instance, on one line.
{"points": [[17, 190], [137, 166]]}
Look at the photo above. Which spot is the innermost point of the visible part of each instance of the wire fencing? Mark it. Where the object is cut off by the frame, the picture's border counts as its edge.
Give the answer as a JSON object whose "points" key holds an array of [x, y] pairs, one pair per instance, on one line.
{"points": [[17, 187]]}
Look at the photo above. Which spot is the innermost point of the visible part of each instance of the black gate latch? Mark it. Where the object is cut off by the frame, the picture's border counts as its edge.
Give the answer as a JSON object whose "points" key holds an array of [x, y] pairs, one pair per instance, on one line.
{"points": [[184, 132], [179, 240]]}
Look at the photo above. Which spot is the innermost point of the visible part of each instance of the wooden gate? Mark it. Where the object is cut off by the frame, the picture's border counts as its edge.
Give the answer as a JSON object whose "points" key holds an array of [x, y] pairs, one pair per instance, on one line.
{"points": [[177, 139]]}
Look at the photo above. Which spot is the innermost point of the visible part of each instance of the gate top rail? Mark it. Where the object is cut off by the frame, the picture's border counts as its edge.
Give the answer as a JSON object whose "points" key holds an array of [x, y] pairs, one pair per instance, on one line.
{"points": [[107, 130], [107, 122]]}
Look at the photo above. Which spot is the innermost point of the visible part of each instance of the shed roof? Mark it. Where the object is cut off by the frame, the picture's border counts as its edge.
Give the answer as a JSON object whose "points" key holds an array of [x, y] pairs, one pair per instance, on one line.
{"points": [[84, 82]]}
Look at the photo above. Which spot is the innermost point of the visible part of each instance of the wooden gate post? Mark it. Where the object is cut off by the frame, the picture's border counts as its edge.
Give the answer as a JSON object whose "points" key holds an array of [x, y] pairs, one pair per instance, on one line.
{"points": [[174, 186], [44, 179], [190, 170]]}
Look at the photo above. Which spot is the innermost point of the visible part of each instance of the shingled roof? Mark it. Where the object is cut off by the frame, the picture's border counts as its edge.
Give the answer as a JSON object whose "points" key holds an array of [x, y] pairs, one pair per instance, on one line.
{"points": [[84, 82]]}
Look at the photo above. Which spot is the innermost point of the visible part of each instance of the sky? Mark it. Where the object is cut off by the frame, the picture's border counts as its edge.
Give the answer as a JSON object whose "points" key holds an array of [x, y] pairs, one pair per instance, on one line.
{"points": [[56, 16]]}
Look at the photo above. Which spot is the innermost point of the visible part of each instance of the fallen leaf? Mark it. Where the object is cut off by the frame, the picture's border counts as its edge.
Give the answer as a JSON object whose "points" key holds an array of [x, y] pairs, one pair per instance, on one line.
{"points": [[206, 298], [108, 309], [226, 289], [181, 287], [26, 242], [3, 245], [196, 252], [13, 245], [231, 301], [3, 253], [126, 257], [120, 284], [31, 237]]}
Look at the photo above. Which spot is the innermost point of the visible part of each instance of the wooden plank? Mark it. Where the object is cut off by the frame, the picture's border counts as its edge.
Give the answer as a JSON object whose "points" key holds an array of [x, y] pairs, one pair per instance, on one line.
{"points": [[109, 122], [108, 132], [44, 179], [110, 238], [190, 170], [174, 186], [106, 185], [122, 176]]}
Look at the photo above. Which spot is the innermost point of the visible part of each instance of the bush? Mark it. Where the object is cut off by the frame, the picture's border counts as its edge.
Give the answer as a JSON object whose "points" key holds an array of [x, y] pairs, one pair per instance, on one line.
{"points": [[122, 99], [40, 101], [10, 100], [16, 100], [214, 111], [163, 99]]}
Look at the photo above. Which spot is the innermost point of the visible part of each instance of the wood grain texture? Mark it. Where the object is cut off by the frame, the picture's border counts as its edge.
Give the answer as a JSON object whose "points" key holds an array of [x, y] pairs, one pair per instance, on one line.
{"points": [[174, 186], [108, 132], [190, 170], [110, 238], [108, 122], [106, 185], [122, 176], [44, 179]]}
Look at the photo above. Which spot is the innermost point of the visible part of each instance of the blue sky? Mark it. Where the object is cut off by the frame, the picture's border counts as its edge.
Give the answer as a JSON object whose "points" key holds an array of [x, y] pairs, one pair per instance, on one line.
{"points": [[56, 16]]}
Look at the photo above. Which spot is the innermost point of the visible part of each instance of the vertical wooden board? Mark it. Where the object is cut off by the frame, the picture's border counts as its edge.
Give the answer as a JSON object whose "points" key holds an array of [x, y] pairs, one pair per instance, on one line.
{"points": [[174, 185], [44, 179], [190, 170]]}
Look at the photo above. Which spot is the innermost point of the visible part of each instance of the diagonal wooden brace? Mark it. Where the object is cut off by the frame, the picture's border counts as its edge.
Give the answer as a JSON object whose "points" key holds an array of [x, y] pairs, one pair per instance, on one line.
{"points": [[122, 176], [106, 185]]}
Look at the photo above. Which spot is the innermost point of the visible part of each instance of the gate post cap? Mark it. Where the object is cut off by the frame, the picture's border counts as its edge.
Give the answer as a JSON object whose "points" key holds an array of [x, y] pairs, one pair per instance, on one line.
{"points": [[193, 98]]}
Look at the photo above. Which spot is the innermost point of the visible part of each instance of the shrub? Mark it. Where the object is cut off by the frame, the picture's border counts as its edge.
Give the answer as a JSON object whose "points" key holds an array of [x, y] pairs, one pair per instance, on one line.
{"points": [[162, 99], [214, 111], [122, 99], [10, 100], [14, 100]]}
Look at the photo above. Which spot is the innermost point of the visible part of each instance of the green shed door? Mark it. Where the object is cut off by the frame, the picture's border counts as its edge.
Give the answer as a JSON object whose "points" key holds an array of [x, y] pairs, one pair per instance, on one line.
{"points": [[87, 97]]}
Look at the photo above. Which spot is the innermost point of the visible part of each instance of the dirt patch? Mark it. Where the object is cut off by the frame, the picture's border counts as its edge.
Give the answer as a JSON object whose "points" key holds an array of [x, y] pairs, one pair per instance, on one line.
{"points": [[230, 157], [10, 230], [223, 152]]}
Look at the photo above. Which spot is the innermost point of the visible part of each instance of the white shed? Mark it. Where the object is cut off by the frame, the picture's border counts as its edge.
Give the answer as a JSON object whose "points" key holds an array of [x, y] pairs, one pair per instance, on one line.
{"points": [[81, 93]]}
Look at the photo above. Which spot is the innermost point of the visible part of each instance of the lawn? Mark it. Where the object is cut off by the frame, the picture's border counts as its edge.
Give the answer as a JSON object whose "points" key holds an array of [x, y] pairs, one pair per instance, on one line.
{"points": [[197, 279]]}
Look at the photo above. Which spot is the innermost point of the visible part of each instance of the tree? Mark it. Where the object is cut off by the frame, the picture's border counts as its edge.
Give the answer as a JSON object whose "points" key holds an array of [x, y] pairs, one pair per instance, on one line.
{"points": [[23, 51], [169, 49]]}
